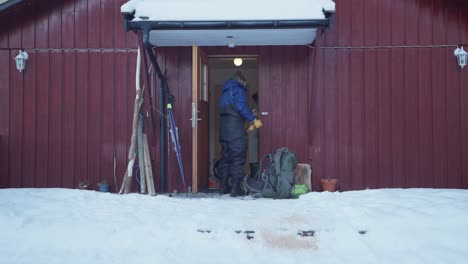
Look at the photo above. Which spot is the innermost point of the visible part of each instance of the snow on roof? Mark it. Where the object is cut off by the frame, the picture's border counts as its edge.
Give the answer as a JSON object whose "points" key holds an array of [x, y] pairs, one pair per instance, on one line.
{"points": [[213, 10]]}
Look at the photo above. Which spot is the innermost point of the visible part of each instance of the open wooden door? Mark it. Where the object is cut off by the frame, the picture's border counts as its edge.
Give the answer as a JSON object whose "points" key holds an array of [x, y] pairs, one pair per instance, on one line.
{"points": [[200, 120]]}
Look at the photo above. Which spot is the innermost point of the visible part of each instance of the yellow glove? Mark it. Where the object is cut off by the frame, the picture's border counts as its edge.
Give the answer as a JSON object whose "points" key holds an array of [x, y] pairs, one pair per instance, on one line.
{"points": [[255, 125]]}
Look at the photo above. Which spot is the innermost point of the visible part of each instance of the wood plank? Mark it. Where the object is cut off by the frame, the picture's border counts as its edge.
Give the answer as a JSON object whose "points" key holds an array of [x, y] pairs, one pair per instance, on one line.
{"points": [[453, 121], [69, 114], [425, 118], [453, 24], [384, 22], [276, 107], [464, 127], [107, 23], [264, 64], [16, 124], [439, 27], [42, 120], [172, 66], [185, 95], [439, 123], [412, 167], [141, 157], [28, 158], [131, 94], [148, 168], [289, 106], [14, 37], [357, 23], [398, 23], [132, 40], [371, 109], [120, 124], [107, 117], [343, 23], [154, 140], [317, 119], [94, 118], [357, 121], [463, 26], [4, 29], [94, 24], [398, 126], [55, 121], [28, 26], [68, 24], [195, 66], [55, 25], [4, 118], [370, 22], [385, 118], [296, 105], [302, 70], [81, 24], [120, 36], [42, 25], [344, 118], [331, 114], [411, 22], [425, 22], [81, 117]]}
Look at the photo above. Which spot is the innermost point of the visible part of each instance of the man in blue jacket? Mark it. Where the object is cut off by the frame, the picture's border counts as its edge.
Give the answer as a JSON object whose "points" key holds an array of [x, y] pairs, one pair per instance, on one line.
{"points": [[234, 111]]}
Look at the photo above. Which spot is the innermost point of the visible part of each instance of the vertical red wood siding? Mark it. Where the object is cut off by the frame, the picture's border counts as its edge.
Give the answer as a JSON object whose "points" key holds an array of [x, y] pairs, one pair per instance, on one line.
{"points": [[379, 102], [63, 119], [4, 117], [407, 118]]}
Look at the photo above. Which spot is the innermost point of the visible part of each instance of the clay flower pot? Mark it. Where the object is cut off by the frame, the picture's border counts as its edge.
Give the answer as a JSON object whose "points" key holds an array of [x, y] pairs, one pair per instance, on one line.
{"points": [[328, 185]]}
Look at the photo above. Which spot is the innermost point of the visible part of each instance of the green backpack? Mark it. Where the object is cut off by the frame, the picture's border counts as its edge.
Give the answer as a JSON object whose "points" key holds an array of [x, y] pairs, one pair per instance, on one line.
{"points": [[276, 180]]}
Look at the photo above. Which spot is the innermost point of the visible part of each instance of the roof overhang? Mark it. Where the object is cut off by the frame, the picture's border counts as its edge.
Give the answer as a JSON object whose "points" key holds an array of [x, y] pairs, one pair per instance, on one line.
{"points": [[187, 23], [4, 4]]}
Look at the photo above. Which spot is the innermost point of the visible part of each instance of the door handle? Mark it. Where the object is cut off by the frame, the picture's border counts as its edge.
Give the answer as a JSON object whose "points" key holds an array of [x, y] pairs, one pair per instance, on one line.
{"points": [[194, 111], [194, 115]]}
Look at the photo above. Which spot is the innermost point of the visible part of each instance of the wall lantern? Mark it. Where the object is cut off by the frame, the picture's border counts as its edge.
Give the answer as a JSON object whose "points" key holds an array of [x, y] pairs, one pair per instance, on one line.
{"points": [[21, 59], [238, 62], [462, 56]]}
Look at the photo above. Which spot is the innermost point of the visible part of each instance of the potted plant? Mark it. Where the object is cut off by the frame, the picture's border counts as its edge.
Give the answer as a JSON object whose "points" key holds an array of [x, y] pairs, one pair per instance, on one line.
{"points": [[84, 185], [103, 186], [328, 184]]}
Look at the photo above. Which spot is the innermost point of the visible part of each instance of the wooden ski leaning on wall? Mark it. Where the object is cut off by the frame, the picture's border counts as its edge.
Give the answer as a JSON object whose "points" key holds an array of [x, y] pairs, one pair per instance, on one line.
{"points": [[143, 148]]}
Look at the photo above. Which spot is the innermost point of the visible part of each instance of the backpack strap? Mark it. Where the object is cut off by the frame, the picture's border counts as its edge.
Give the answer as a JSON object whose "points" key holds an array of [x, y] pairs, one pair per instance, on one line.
{"points": [[278, 159], [259, 172]]}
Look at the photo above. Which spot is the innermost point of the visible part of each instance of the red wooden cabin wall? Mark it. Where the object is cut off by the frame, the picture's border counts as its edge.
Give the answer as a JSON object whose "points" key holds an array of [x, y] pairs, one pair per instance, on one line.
{"points": [[391, 100], [65, 117]]}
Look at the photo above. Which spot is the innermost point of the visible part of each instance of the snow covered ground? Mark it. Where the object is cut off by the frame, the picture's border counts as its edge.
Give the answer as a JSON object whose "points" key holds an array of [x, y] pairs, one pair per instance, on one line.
{"points": [[73, 226]]}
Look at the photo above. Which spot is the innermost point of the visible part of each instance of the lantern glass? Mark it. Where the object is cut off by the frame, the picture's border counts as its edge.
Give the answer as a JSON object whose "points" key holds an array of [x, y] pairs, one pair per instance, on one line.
{"points": [[20, 64], [462, 59], [462, 56], [20, 60]]}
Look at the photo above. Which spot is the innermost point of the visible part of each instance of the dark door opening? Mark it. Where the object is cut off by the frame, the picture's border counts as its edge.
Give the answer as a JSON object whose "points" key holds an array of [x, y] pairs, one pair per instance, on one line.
{"points": [[220, 70]]}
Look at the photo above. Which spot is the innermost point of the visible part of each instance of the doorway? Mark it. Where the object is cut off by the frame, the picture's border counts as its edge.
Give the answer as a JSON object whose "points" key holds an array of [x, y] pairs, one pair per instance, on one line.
{"points": [[220, 70]]}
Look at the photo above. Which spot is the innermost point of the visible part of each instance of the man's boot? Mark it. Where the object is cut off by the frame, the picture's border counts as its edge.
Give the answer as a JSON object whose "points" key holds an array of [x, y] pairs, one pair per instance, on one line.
{"points": [[224, 187], [236, 189]]}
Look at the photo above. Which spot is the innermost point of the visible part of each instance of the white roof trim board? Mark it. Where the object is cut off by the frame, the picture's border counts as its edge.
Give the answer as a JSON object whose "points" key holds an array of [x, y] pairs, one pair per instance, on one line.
{"points": [[216, 10], [240, 10], [235, 37]]}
